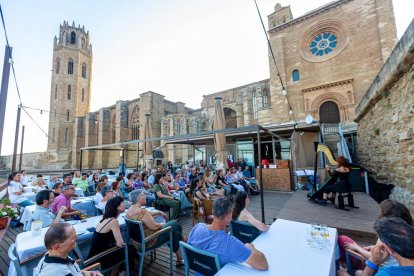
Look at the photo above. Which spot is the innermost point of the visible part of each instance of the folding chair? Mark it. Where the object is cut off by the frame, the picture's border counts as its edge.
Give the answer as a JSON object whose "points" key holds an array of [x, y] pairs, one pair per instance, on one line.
{"points": [[199, 260], [244, 231], [14, 259], [135, 232], [197, 210]]}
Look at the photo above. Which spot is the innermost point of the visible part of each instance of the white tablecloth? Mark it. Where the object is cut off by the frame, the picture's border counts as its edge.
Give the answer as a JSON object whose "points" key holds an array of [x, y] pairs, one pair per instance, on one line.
{"points": [[28, 247], [287, 253], [85, 204]]}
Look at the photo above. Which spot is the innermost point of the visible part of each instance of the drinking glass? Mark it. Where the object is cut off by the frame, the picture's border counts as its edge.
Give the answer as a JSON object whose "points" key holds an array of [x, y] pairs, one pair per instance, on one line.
{"points": [[83, 214]]}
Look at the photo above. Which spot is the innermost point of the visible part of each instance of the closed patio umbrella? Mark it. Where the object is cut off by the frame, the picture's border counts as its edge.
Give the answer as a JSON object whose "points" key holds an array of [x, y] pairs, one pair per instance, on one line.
{"points": [[147, 144], [219, 138]]}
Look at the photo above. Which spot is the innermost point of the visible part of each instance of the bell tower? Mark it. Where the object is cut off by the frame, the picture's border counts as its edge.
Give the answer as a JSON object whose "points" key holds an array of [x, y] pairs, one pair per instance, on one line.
{"points": [[70, 89]]}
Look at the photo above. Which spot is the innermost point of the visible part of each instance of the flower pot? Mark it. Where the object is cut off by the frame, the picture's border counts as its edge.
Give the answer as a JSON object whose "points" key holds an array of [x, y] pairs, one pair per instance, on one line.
{"points": [[3, 222]]}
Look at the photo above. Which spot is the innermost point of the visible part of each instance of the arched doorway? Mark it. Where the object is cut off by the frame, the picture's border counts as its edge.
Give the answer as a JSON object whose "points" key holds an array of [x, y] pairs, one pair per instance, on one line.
{"points": [[231, 117], [329, 113]]}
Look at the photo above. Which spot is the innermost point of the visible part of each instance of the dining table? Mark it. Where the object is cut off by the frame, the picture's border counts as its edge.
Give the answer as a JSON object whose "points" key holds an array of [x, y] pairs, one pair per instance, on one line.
{"points": [[288, 252]]}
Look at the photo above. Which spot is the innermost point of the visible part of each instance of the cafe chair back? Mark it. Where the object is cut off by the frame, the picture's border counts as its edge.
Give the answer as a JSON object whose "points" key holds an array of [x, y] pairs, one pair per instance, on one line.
{"points": [[199, 260], [98, 211], [244, 231], [93, 261], [144, 245], [15, 260]]}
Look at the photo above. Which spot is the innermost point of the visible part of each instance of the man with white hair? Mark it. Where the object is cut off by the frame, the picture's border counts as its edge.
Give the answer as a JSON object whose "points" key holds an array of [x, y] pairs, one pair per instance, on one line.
{"points": [[151, 178]]}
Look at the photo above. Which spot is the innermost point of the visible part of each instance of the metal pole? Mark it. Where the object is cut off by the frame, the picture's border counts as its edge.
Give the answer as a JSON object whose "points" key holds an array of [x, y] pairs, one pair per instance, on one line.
{"points": [[21, 150], [16, 138], [123, 170], [80, 161], [4, 89], [137, 156], [259, 150]]}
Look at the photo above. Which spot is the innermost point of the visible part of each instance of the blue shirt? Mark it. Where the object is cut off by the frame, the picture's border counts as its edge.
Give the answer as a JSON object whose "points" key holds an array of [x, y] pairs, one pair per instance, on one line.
{"points": [[228, 248], [395, 270], [247, 174], [151, 179], [43, 214]]}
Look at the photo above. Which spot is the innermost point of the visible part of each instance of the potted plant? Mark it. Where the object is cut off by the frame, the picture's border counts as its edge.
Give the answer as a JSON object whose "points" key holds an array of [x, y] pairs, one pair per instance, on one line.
{"points": [[6, 211]]}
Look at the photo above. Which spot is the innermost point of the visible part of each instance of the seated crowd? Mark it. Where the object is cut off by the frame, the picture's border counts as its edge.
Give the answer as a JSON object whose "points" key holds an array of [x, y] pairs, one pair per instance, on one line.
{"points": [[393, 253]]}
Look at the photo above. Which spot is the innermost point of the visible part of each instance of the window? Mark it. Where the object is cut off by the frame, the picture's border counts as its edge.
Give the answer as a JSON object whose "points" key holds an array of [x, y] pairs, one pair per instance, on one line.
{"points": [[72, 38], [187, 127], [66, 135], [57, 66], [83, 95], [255, 111], [265, 98], [83, 70], [323, 44], [70, 67], [69, 91], [295, 75], [56, 93], [177, 127], [54, 114], [67, 115], [53, 135]]}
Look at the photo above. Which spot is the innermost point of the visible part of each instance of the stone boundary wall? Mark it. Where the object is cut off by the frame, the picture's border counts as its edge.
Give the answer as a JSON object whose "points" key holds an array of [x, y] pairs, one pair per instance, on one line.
{"points": [[385, 118], [30, 161]]}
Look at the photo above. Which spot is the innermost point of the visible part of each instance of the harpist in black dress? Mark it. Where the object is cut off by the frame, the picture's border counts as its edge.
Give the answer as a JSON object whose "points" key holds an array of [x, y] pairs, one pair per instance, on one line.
{"points": [[342, 185]]}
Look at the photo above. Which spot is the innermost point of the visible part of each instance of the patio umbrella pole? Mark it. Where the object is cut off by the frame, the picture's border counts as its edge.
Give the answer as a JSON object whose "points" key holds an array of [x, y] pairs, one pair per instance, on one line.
{"points": [[259, 150]]}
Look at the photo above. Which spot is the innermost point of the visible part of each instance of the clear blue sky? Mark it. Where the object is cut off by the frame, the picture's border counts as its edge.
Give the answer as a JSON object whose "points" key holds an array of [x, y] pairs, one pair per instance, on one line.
{"points": [[179, 48]]}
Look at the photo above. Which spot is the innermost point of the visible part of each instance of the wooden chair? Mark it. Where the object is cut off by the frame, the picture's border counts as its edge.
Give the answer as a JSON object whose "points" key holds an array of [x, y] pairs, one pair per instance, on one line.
{"points": [[349, 254], [197, 210], [208, 210], [135, 232], [199, 260], [91, 262], [244, 231]]}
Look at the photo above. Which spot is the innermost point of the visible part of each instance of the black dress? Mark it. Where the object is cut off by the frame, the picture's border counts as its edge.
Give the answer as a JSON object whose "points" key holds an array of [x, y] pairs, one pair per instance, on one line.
{"points": [[104, 241], [341, 186]]}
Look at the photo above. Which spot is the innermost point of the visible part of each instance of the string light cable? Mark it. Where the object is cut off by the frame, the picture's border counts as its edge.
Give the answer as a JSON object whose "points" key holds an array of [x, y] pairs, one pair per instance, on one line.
{"points": [[277, 68]]}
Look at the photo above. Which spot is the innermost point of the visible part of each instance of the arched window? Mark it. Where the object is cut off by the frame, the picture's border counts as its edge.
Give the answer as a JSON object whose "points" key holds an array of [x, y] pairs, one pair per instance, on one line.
{"points": [[57, 66], [265, 98], [69, 91], [83, 70], [295, 75], [72, 38], [67, 115], [56, 92], [187, 127], [54, 114], [255, 111], [66, 135], [70, 67], [53, 135], [177, 127], [83, 95]]}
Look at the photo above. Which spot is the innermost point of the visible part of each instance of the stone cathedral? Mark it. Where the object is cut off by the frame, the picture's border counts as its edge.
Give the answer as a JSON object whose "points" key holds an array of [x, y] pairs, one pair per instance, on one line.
{"points": [[327, 59]]}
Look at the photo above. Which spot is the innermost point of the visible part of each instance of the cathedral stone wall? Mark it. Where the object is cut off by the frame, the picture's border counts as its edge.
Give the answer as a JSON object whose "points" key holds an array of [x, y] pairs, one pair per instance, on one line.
{"points": [[357, 37], [385, 119]]}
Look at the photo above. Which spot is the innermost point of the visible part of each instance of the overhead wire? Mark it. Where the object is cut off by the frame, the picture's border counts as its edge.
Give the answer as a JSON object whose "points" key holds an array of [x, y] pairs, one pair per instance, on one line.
{"points": [[277, 68]]}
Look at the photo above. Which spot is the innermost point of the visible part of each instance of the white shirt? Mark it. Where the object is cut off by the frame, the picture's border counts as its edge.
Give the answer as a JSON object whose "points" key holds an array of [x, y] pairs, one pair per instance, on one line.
{"points": [[98, 198], [24, 180], [101, 205], [13, 188]]}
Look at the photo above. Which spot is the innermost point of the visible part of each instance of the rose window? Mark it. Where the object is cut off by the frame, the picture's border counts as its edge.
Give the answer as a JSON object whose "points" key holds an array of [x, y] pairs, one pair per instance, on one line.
{"points": [[323, 44]]}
